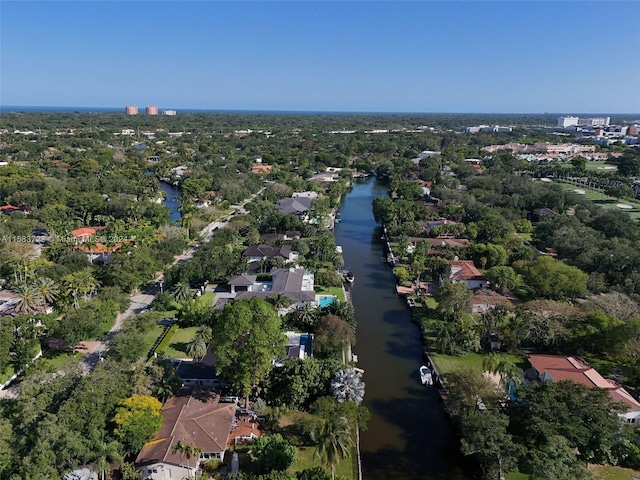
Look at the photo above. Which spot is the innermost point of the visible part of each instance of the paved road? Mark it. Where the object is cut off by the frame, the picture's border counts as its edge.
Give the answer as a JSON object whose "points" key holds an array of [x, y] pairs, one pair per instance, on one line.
{"points": [[142, 301]]}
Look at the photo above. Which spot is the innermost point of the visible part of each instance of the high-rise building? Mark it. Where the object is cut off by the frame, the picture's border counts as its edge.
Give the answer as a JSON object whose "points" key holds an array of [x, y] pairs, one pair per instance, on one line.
{"points": [[168, 112], [151, 110], [131, 110], [564, 122]]}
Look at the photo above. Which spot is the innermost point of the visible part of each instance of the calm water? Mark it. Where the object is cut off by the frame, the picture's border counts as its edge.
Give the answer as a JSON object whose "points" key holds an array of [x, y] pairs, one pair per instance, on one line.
{"points": [[171, 201], [408, 436]]}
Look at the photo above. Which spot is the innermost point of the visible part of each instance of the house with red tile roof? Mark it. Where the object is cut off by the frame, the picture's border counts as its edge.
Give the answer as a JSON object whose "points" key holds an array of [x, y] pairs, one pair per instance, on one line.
{"points": [[261, 169], [198, 419], [464, 271], [83, 234], [555, 368]]}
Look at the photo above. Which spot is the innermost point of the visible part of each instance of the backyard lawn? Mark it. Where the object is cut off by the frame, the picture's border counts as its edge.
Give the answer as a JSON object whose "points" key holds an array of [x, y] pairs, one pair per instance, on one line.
{"points": [[336, 291], [178, 346]]}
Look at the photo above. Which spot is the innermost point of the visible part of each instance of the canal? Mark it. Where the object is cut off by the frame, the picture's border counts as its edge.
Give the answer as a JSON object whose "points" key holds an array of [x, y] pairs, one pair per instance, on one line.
{"points": [[171, 200], [409, 436]]}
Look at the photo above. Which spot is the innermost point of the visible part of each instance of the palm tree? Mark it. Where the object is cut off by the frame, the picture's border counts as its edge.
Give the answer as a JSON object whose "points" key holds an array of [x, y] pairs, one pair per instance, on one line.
{"points": [[279, 300], [47, 289], [347, 386], [507, 370], [306, 315], [196, 348], [104, 454], [333, 442], [182, 292], [445, 338], [187, 450], [204, 333], [28, 298]]}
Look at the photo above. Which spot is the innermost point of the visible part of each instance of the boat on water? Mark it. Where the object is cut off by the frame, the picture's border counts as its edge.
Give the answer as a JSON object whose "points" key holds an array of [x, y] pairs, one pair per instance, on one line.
{"points": [[425, 376], [348, 276]]}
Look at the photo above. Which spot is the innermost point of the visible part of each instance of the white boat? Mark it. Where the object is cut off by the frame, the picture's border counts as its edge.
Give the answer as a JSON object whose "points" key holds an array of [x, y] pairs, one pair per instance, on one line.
{"points": [[425, 376], [348, 276]]}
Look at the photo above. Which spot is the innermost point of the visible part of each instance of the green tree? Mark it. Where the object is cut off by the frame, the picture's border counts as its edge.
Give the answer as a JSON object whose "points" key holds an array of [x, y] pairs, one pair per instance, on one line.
{"points": [[187, 451], [333, 442], [551, 278], [485, 436], [454, 299], [273, 453], [196, 348], [502, 278], [137, 419], [104, 454], [248, 338], [581, 415]]}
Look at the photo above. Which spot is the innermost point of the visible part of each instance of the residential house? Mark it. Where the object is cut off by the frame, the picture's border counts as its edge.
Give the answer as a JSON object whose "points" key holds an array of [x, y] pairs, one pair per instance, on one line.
{"points": [[260, 253], [197, 419], [11, 209], [295, 283], [299, 345], [308, 194], [84, 234], [261, 169], [464, 271], [199, 374], [292, 235], [294, 206], [99, 252], [555, 368]]}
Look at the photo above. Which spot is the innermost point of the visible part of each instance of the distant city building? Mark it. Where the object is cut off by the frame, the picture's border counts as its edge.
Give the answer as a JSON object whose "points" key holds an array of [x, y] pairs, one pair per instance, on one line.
{"points": [[486, 128], [595, 121], [131, 110], [169, 112], [564, 122], [151, 110]]}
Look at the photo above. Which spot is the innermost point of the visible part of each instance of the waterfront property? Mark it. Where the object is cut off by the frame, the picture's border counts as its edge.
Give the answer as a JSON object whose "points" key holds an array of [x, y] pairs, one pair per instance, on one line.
{"points": [[198, 419], [297, 284], [555, 368]]}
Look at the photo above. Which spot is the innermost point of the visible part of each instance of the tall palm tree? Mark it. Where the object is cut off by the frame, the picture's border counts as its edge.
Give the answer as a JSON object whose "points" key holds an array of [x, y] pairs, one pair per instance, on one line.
{"points": [[333, 442], [306, 315], [279, 300], [507, 370], [204, 333], [182, 292], [28, 298], [347, 386], [47, 289], [196, 348], [104, 454], [187, 450]]}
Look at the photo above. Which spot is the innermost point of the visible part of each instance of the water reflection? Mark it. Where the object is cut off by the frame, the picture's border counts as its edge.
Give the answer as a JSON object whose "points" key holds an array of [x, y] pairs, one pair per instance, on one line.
{"points": [[409, 436]]}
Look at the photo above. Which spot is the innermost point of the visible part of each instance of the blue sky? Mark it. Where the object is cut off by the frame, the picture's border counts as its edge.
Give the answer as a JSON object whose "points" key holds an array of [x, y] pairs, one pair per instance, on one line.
{"points": [[369, 56]]}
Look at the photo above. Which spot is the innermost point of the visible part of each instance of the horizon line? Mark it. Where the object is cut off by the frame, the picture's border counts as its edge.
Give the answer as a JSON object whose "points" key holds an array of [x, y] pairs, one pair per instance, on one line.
{"points": [[66, 108]]}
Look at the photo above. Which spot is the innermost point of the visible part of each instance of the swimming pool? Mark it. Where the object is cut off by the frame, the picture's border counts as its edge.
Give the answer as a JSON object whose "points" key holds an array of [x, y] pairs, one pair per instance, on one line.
{"points": [[326, 300]]}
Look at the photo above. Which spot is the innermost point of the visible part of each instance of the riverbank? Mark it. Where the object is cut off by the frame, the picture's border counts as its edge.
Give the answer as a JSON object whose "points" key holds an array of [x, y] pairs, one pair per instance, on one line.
{"points": [[409, 437]]}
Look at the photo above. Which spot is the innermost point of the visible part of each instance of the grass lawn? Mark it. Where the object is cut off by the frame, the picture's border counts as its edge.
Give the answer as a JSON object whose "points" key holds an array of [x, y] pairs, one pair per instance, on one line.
{"points": [[601, 167], [150, 337], [336, 291], [602, 472], [516, 476], [178, 346], [605, 201], [56, 360], [4, 376], [207, 298], [448, 363], [287, 428]]}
